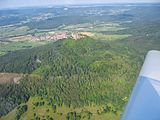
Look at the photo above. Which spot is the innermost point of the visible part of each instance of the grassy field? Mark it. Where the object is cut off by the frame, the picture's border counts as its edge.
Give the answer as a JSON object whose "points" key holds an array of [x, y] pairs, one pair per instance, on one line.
{"points": [[46, 111], [96, 27], [10, 31], [99, 36], [10, 116], [6, 47]]}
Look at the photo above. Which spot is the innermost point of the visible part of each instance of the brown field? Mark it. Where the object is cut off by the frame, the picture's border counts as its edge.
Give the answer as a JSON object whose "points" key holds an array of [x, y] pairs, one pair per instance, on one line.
{"points": [[10, 78], [90, 34], [21, 38]]}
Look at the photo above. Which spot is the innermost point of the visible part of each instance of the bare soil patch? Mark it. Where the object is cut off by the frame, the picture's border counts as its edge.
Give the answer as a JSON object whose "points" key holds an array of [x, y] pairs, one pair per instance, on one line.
{"points": [[10, 78]]}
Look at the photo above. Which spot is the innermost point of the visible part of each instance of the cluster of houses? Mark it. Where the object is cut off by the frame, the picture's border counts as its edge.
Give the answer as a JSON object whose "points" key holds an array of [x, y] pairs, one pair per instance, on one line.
{"points": [[51, 36]]}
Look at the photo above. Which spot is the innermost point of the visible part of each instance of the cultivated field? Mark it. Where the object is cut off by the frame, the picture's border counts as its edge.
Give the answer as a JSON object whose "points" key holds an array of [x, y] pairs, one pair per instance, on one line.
{"points": [[95, 27]]}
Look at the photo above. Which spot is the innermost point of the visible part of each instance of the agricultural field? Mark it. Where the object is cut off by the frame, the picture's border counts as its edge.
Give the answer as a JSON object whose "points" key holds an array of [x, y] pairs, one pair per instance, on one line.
{"points": [[94, 27], [12, 31], [99, 36], [7, 47]]}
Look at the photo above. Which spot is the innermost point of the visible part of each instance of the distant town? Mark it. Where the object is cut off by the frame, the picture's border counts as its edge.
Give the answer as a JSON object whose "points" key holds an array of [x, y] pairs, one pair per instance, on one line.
{"points": [[50, 36]]}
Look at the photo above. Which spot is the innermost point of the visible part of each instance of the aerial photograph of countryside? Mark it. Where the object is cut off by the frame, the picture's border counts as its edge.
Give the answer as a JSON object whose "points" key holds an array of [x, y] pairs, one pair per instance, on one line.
{"points": [[79, 60]]}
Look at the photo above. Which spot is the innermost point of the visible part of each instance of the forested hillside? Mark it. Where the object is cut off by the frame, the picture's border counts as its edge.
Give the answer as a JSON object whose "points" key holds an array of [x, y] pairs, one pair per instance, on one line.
{"points": [[74, 72]]}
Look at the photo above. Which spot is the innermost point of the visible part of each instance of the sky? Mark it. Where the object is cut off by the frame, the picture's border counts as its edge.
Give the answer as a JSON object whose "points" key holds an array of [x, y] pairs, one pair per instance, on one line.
{"points": [[27, 3]]}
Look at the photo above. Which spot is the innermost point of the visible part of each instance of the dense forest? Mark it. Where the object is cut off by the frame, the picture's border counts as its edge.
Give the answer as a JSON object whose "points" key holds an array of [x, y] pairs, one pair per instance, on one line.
{"points": [[73, 71]]}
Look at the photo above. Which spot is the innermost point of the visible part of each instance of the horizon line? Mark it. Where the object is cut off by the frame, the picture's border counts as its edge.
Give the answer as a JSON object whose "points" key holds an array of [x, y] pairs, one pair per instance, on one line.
{"points": [[83, 5]]}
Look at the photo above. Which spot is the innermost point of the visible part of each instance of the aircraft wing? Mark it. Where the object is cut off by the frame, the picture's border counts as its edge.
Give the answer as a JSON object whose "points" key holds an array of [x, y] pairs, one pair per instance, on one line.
{"points": [[144, 103]]}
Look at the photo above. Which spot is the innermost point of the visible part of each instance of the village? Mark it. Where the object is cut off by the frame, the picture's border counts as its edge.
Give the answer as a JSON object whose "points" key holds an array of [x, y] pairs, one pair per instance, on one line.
{"points": [[49, 36]]}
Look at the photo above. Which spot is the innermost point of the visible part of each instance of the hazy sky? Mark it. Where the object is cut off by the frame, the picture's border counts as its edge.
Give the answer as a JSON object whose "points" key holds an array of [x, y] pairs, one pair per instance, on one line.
{"points": [[22, 3]]}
